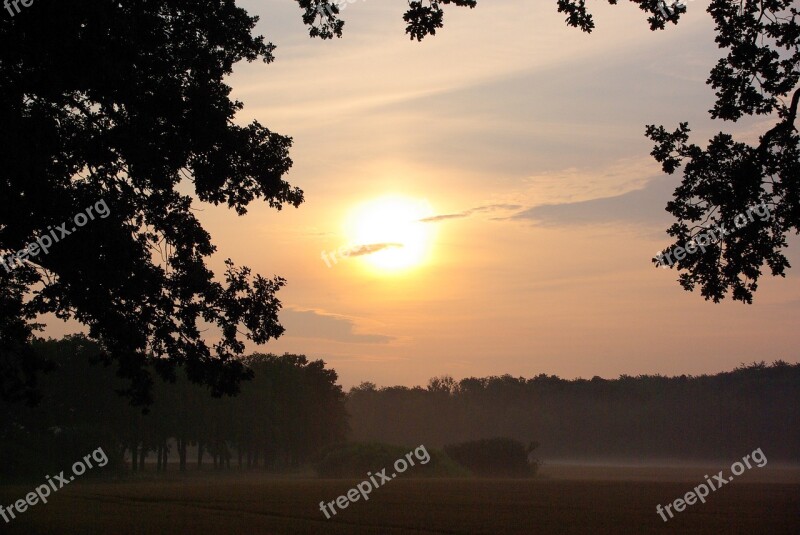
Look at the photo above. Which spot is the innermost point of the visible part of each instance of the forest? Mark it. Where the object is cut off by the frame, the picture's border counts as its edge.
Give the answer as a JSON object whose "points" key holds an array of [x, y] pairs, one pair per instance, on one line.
{"points": [[292, 408], [288, 410], [707, 417]]}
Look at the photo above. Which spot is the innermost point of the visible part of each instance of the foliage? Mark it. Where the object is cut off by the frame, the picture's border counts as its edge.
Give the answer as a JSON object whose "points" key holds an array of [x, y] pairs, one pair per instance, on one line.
{"points": [[19, 365], [125, 102], [760, 70], [494, 457], [421, 19], [79, 412], [289, 410]]}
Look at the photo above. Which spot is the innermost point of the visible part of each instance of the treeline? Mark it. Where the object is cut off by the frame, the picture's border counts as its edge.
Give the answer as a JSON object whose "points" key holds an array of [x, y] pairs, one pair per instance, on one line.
{"points": [[292, 409], [656, 417], [288, 411]]}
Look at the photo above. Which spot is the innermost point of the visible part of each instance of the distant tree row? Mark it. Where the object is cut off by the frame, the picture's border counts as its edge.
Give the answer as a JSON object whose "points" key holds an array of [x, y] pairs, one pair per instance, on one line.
{"points": [[703, 418], [291, 408]]}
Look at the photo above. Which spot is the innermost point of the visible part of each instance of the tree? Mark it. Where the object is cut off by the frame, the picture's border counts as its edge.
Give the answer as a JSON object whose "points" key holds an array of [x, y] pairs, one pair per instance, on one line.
{"points": [[493, 457], [758, 76], [111, 113], [444, 384], [723, 181], [322, 17], [289, 411], [78, 412], [19, 364]]}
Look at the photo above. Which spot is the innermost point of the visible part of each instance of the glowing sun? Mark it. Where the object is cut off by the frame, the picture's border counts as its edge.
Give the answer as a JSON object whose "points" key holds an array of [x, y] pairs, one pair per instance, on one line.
{"points": [[388, 232]]}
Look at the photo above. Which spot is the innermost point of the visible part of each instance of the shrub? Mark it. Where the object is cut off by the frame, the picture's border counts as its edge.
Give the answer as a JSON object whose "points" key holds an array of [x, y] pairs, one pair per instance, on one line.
{"points": [[494, 457]]}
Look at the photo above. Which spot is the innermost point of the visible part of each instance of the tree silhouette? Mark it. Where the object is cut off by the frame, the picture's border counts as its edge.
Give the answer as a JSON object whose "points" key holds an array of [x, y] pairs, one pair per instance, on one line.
{"points": [[19, 364], [421, 20], [122, 104], [288, 412], [758, 76], [725, 179], [494, 457]]}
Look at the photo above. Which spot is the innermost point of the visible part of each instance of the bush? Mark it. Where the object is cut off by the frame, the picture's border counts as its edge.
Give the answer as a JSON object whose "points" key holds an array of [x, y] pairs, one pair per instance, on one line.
{"points": [[494, 457], [355, 459]]}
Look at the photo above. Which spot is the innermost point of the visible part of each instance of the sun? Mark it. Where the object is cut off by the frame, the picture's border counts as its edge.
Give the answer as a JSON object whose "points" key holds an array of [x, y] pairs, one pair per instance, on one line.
{"points": [[388, 232]]}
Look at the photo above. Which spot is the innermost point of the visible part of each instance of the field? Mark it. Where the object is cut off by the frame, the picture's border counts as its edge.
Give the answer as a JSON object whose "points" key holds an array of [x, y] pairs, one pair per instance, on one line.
{"points": [[566, 499]]}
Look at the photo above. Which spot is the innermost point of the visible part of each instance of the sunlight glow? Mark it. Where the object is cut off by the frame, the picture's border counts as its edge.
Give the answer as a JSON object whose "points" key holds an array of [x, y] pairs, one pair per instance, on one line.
{"points": [[391, 226]]}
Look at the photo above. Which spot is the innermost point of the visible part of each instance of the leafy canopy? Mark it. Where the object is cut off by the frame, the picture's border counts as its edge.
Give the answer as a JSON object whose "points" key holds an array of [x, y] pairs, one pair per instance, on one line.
{"points": [[124, 102]]}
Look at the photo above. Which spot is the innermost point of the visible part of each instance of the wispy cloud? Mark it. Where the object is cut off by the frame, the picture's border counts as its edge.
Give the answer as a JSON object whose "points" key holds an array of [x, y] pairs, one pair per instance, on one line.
{"points": [[586, 183], [467, 213], [361, 250]]}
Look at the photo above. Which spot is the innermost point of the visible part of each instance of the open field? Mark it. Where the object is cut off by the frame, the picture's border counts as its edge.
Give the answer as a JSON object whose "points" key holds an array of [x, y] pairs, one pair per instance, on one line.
{"points": [[566, 499]]}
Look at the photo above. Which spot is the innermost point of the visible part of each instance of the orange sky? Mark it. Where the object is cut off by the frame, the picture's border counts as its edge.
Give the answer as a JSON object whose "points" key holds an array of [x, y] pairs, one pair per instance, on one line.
{"points": [[505, 107]]}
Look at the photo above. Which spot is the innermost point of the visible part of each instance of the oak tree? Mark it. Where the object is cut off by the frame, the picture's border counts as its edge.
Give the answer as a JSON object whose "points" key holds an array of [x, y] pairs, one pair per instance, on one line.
{"points": [[124, 102]]}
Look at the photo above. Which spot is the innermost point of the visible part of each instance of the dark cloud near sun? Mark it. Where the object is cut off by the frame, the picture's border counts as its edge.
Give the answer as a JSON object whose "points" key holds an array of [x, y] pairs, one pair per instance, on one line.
{"points": [[361, 250], [312, 324], [472, 211]]}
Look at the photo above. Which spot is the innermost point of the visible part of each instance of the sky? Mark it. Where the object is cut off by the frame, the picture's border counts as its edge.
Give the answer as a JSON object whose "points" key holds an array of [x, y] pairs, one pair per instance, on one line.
{"points": [[515, 147]]}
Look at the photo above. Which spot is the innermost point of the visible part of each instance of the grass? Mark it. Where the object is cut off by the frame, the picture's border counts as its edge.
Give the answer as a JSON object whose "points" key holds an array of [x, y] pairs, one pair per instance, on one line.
{"points": [[565, 500]]}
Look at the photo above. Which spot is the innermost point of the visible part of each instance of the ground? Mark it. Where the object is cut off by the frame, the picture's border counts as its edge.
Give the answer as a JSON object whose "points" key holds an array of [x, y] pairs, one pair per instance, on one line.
{"points": [[565, 499]]}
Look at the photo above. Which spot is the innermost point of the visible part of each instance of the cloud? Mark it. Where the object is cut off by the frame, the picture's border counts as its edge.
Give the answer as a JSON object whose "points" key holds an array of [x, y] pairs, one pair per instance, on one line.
{"points": [[313, 324], [361, 250], [643, 206], [444, 217], [585, 183], [467, 213]]}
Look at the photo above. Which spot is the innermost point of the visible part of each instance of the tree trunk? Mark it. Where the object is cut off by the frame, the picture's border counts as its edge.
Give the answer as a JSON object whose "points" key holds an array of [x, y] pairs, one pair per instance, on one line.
{"points": [[134, 458], [200, 451], [182, 454], [159, 457]]}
